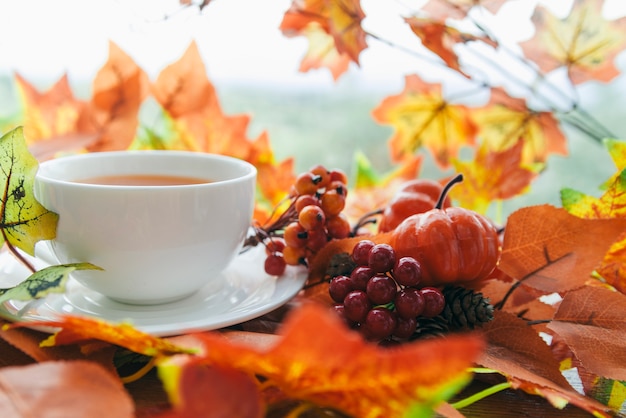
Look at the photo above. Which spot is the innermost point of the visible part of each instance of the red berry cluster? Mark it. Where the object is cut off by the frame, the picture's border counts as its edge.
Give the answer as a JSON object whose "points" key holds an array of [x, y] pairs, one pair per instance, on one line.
{"points": [[318, 198], [381, 297]]}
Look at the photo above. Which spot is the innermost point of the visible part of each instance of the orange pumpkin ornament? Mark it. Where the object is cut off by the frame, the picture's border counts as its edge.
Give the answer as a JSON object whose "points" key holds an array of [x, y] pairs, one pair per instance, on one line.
{"points": [[451, 244], [414, 196]]}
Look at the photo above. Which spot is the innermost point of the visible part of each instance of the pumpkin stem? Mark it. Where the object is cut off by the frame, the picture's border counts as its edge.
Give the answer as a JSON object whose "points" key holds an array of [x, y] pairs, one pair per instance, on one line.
{"points": [[456, 179]]}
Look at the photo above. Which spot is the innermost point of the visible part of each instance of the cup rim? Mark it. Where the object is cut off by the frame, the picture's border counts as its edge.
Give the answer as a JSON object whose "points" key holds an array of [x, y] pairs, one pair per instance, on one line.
{"points": [[42, 175]]}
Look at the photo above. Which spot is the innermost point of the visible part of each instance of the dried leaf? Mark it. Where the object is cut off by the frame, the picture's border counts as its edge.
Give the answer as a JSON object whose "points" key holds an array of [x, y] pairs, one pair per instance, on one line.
{"points": [[592, 321], [505, 120], [516, 350], [492, 176], [422, 117], [72, 389], [584, 42], [553, 251], [24, 220]]}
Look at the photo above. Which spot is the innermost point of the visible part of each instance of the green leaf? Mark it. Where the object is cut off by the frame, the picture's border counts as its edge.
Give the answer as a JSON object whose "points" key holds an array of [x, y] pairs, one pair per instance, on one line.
{"points": [[365, 175], [43, 282], [23, 220]]}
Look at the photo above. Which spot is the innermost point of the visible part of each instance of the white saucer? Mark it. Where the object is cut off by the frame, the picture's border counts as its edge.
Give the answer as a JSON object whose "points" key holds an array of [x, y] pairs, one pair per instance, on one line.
{"points": [[244, 292]]}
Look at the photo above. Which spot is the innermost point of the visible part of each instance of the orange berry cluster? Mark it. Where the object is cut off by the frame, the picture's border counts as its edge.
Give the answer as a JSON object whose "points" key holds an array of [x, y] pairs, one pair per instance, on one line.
{"points": [[318, 199]]}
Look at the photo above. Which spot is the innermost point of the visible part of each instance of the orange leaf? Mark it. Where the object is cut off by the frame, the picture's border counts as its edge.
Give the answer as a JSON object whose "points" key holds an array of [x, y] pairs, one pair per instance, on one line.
{"points": [[492, 176], [62, 389], [584, 42], [441, 38], [592, 321], [458, 9], [553, 251], [517, 351], [612, 204], [56, 112], [341, 19], [79, 329], [119, 89], [322, 52], [359, 378], [421, 117], [505, 120]]}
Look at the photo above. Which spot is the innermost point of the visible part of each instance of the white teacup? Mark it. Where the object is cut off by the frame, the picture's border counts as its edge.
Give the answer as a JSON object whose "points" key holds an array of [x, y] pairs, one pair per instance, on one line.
{"points": [[155, 243]]}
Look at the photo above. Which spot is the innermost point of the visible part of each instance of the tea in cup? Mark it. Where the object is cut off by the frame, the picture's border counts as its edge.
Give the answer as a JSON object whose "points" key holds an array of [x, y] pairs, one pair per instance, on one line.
{"points": [[161, 224]]}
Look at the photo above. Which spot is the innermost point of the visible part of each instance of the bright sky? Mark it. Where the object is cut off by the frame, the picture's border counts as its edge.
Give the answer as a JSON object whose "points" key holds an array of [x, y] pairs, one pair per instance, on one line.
{"points": [[239, 39]]}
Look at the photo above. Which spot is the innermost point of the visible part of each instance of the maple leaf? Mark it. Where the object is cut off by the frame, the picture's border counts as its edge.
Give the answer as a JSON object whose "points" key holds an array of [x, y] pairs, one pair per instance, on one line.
{"points": [[422, 117], [119, 89], [68, 389], [55, 112], [584, 42], [617, 151], [591, 321], [79, 329], [359, 378], [341, 19], [492, 176], [441, 38], [458, 9], [322, 52], [553, 251], [516, 350], [24, 220], [612, 204], [504, 120]]}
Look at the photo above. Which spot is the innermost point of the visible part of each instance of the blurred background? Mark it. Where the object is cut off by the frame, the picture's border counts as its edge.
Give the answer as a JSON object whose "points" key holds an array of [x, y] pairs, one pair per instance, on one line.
{"points": [[254, 69]]}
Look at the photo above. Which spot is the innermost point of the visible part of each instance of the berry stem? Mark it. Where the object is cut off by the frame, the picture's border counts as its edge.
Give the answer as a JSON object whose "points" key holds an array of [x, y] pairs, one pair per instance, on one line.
{"points": [[456, 179]]}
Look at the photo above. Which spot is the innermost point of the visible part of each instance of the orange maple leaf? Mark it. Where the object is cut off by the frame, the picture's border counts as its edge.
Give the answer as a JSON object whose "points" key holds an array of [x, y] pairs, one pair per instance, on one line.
{"points": [[359, 378], [440, 38], [80, 329], [458, 9], [119, 89], [612, 204], [554, 251], [322, 52], [54, 112], [54, 120], [492, 176], [341, 19], [584, 42], [422, 117], [504, 120]]}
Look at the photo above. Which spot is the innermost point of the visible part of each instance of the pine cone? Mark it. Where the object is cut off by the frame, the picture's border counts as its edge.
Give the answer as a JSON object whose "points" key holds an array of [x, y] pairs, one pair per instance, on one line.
{"points": [[430, 327], [465, 308], [340, 264]]}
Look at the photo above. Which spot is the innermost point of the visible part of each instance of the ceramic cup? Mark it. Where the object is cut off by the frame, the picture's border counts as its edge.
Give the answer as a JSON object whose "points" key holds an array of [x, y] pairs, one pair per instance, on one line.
{"points": [[156, 244]]}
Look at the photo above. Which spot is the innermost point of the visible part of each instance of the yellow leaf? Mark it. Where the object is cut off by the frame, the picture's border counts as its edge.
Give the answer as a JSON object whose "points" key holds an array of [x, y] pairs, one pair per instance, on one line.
{"points": [[421, 117]]}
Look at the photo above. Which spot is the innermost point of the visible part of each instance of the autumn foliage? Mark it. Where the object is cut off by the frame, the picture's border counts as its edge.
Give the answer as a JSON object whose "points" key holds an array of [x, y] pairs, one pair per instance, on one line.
{"points": [[558, 291]]}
